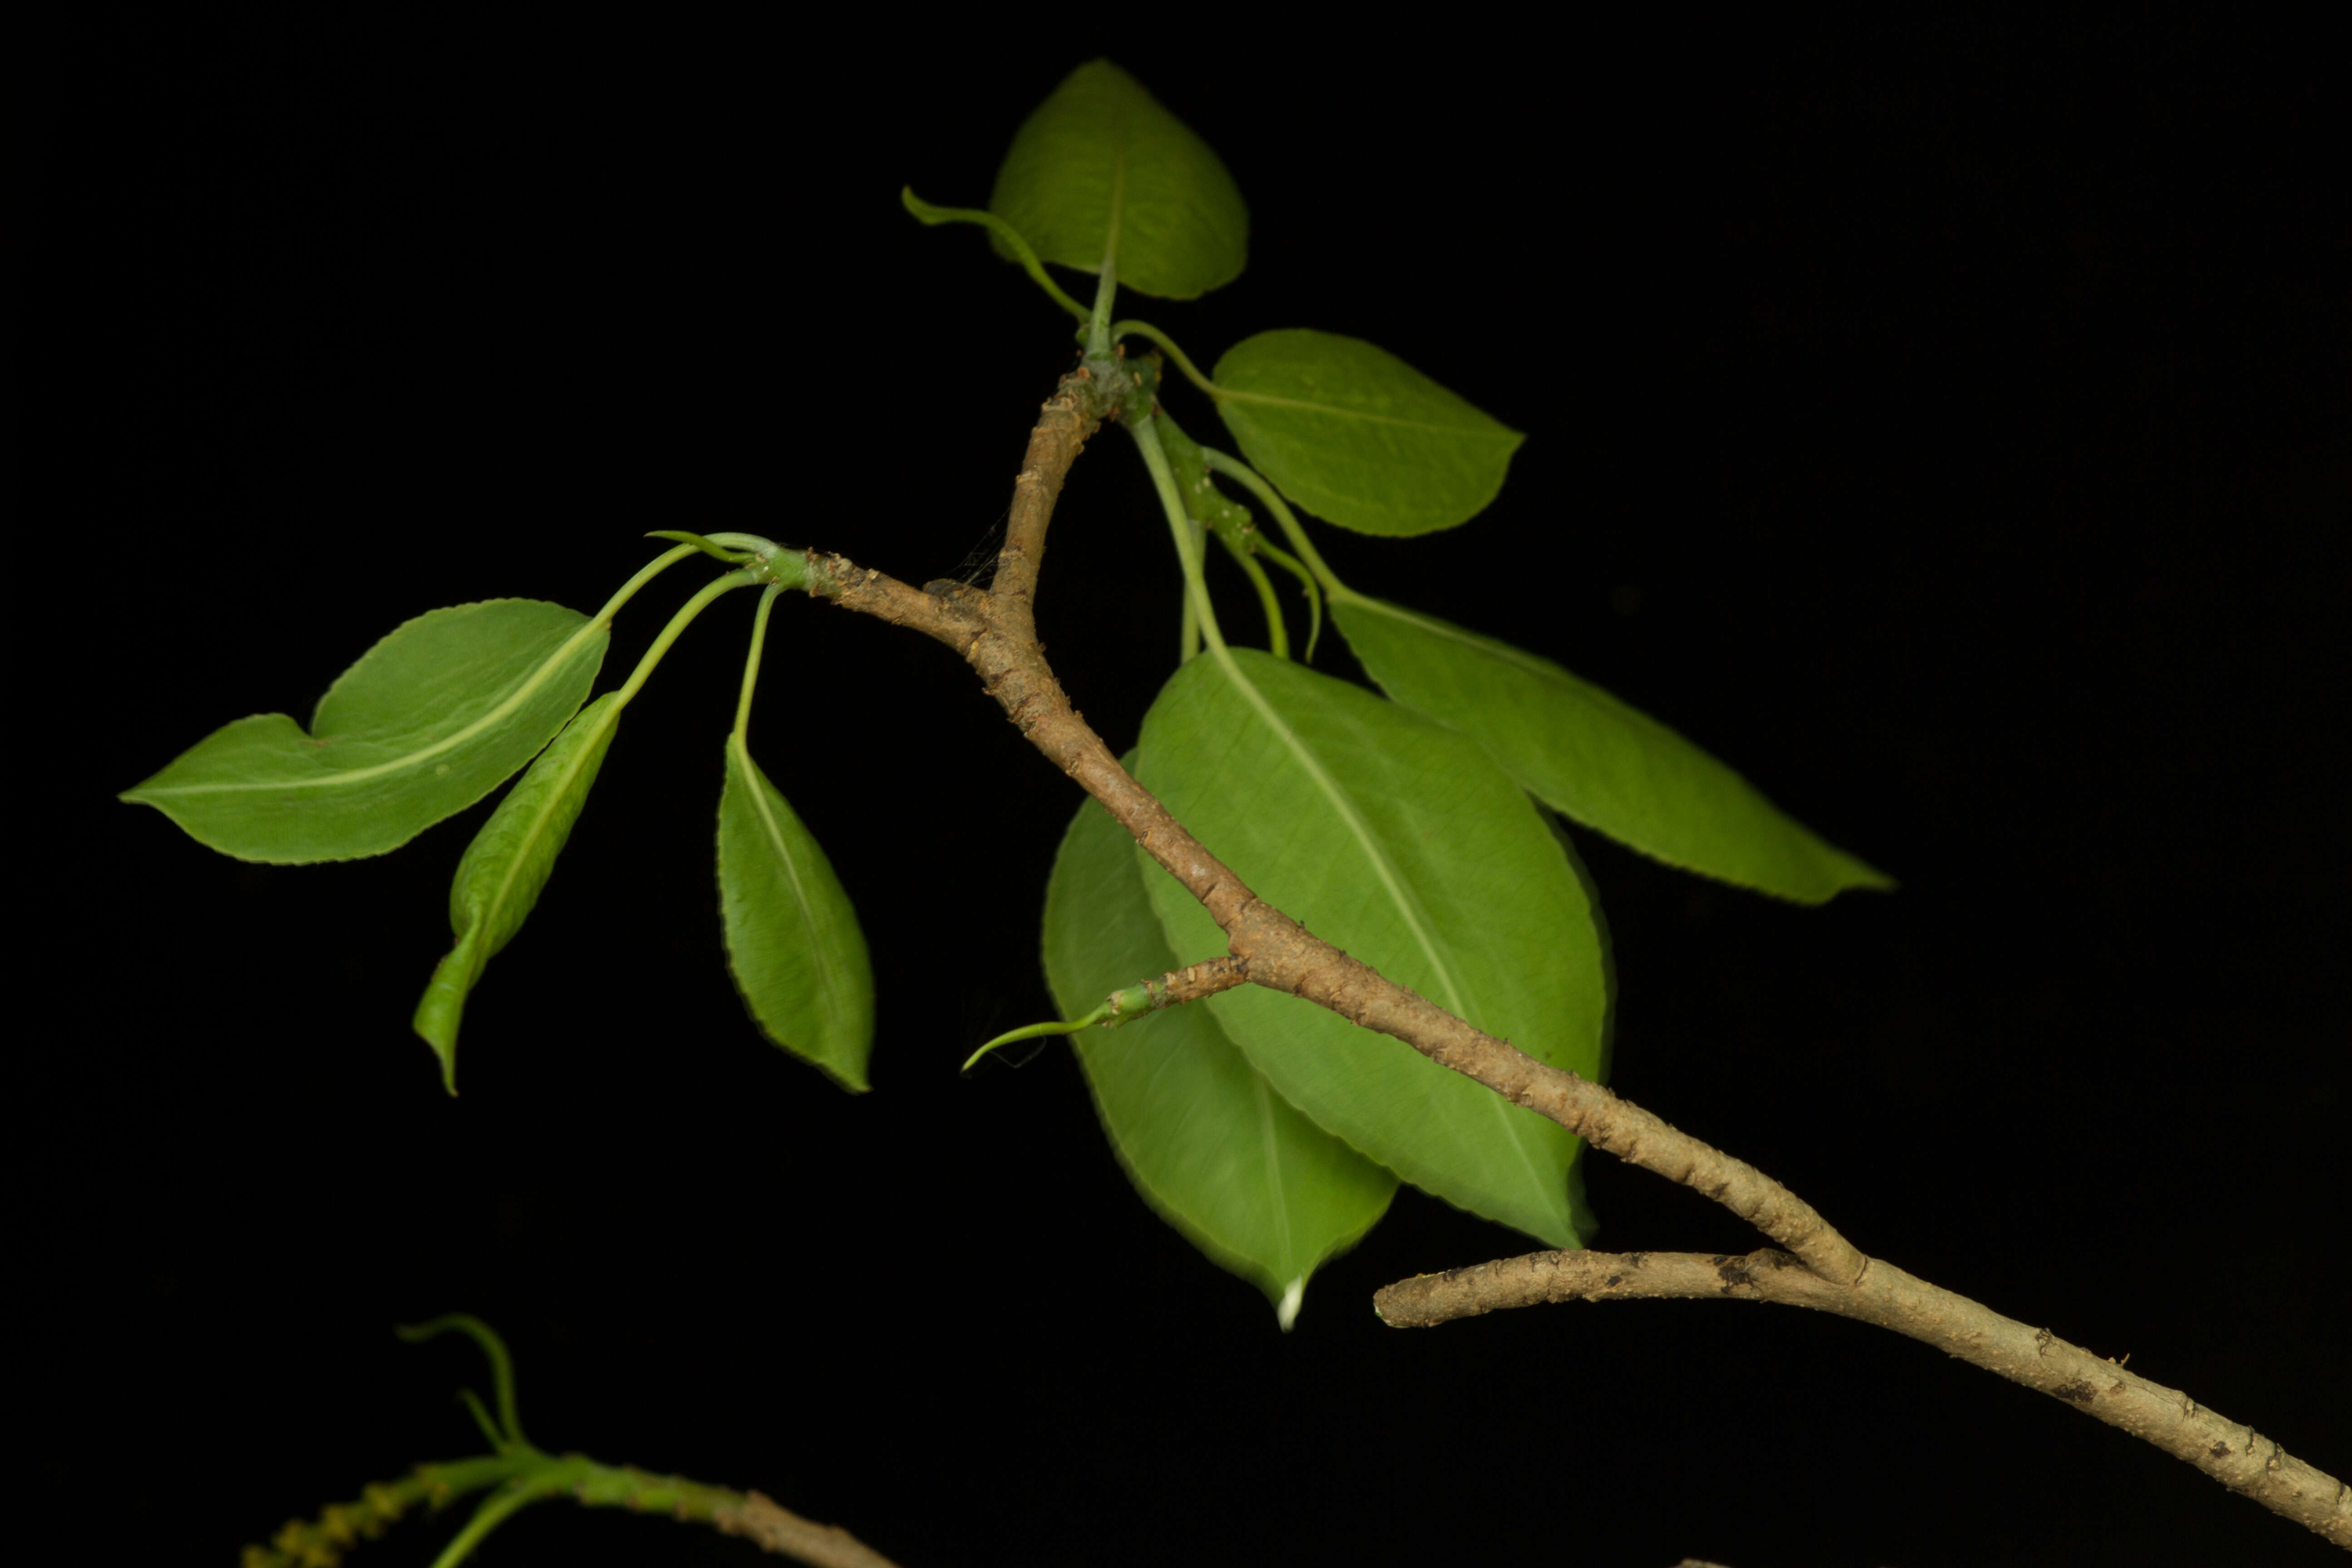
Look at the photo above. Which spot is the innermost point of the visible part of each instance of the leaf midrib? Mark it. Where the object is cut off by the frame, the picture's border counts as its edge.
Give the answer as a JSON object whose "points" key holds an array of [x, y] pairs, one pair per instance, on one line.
{"points": [[1500, 653], [588, 746], [753, 781], [1236, 394], [1389, 876], [499, 714]]}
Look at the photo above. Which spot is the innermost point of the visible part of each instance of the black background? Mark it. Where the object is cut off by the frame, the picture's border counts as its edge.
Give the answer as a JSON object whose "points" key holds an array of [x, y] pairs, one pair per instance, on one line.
{"points": [[1948, 428]]}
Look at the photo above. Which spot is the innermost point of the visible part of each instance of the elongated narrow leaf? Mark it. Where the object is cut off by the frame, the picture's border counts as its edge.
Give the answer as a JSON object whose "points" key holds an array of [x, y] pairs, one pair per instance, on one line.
{"points": [[1354, 435], [1594, 759], [793, 942], [1401, 842], [507, 864], [1204, 1138], [1100, 160], [428, 721]]}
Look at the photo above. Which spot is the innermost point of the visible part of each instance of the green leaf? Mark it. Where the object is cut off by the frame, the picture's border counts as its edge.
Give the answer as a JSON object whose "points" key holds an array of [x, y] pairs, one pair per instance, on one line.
{"points": [[793, 942], [1355, 435], [507, 864], [1398, 840], [428, 721], [1101, 161], [1594, 759], [1204, 1138]]}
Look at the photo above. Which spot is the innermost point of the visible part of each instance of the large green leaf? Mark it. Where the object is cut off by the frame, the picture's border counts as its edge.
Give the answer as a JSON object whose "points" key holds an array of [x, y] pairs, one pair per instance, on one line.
{"points": [[1400, 841], [793, 942], [427, 723], [1592, 758], [1354, 435], [1204, 1138], [507, 864], [1100, 161]]}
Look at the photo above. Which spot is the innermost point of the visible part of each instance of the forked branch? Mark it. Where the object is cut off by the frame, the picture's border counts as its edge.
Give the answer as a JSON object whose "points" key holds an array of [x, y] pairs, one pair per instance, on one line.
{"points": [[995, 632]]}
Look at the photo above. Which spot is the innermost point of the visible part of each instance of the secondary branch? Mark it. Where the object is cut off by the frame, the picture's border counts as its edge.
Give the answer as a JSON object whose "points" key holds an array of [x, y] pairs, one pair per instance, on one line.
{"points": [[2229, 1451]]}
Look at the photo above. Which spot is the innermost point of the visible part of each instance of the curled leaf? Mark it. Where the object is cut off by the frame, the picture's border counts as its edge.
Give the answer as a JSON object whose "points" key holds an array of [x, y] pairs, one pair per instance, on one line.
{"points": [[428, 721], [507, 865]]}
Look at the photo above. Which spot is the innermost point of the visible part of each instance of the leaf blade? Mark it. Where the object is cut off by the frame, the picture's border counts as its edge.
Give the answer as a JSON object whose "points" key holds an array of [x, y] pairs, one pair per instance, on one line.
{"points": [[1203, 1138], [1357, 436], [1595, 759], [1414, 853], [443, 709], [794, 946], [506, 866], [1100, 160]]}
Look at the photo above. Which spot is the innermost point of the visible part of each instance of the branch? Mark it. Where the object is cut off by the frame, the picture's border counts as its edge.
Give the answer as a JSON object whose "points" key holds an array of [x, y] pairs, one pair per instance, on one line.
{"points": [[323, 1541], [772, 1527], [2229, 1451], [995, 631], [997, 636]]}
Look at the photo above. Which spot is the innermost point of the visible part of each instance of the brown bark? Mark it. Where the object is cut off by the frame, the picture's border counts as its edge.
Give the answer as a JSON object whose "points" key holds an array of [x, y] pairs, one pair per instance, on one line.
{"points": [[995, 631], [2230, 1452], [1195, 981], [772, 1527]]}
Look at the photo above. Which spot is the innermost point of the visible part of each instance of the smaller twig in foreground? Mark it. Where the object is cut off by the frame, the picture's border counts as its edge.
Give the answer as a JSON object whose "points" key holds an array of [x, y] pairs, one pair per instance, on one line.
{"points": [[774, 1528]]}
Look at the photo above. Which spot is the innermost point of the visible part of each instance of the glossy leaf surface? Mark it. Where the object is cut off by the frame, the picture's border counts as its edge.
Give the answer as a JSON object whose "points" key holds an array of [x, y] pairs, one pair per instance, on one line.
{"points": [[793, 942], [1357, 436], [1401, 842], [1593, 758], [1101, 159], [1204, 1138], [427, 723], [506, 866]]}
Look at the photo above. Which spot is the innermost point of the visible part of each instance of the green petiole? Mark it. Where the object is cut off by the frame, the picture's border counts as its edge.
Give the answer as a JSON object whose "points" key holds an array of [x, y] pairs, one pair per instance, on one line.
{"points": [[507, 1432], [628, 590], [1098, 335], [1167, 345], [706, 545], [1278, 635], [1251, 481], [1033, 1032], [1118, 1007], [1260, 545], [926, 213], [1200, 618], [677, 625], [751, 664]]}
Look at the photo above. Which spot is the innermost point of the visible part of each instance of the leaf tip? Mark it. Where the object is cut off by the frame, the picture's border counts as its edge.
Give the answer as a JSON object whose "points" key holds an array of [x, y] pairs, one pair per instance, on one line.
{"points": [[438, 1013], [1294, 1295], [1865, 878]]}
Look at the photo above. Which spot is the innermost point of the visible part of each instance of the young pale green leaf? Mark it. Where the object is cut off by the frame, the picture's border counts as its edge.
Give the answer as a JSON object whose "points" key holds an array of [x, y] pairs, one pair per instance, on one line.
{"points": [[505, 866], [793, 942], [1204, 1138], [1594, 759], [428, 721], [1100, 163], [1401, 842], [1355, 435]]}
